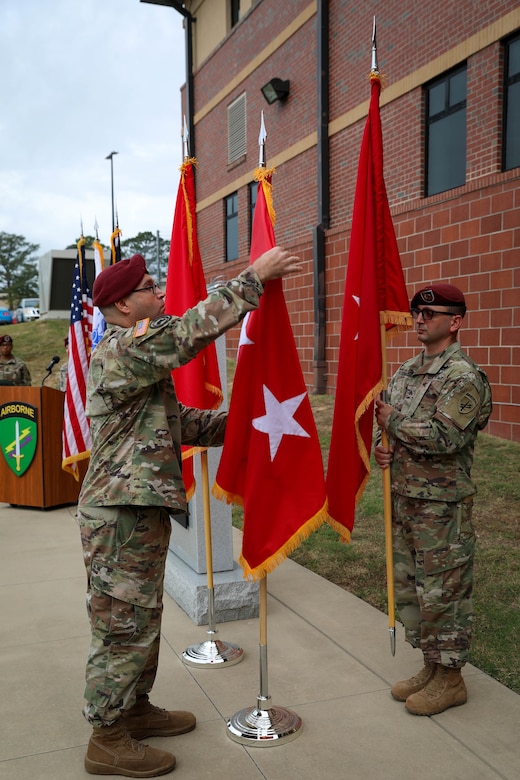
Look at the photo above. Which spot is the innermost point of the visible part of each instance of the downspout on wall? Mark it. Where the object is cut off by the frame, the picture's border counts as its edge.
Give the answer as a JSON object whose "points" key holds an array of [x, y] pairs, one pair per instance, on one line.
{"points": [[320, 311], [190, 93]]}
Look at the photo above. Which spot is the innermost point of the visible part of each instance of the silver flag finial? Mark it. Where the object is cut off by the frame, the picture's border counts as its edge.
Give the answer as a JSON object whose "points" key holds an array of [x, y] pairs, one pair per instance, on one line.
{"points": [[261, 142], [374, 68], [185, 138]]}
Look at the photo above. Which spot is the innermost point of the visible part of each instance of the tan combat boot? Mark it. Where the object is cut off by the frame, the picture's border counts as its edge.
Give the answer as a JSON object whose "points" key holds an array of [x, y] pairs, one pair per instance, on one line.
{"points": [[445, 689], [112, 751], [145, 720], [403, 689]]}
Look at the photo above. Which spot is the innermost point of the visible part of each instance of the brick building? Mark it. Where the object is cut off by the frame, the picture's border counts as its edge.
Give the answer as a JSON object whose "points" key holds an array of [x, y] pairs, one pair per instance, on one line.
{"points": [[450, 112]]}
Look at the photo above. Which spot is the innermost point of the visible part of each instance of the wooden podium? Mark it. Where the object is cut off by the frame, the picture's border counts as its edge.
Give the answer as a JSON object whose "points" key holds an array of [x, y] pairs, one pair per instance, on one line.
{"points": [[34, 413]]}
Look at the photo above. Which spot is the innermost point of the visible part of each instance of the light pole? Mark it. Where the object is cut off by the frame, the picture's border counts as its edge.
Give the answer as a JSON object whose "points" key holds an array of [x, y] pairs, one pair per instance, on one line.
{"points": [[111, 158]]}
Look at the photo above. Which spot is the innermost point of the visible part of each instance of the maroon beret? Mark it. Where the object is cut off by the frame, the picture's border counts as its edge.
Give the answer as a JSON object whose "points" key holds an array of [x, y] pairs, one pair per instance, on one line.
{"points": [[439, 295], [118, 280], [6, 340]]}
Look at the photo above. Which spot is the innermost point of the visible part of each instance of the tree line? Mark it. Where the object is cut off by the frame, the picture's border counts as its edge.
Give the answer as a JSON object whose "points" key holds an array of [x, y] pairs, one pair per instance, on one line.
{"points": [[19, 262]]}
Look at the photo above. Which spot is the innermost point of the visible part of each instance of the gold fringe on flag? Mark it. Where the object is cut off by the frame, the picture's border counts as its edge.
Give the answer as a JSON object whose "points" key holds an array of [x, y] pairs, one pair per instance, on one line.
{"points": [[187, 207], [264, 176]]}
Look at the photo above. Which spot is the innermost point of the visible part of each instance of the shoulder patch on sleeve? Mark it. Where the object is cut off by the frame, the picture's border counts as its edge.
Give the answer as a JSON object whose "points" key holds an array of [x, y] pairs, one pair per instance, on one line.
{"points": [[462, 407], [160, 322], [141, 326]]}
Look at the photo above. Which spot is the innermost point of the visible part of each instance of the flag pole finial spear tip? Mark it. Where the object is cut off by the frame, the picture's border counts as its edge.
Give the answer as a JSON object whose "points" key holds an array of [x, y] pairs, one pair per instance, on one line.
{"points": [[374, 68], [96, 228], [261, 142], [185, 139]]}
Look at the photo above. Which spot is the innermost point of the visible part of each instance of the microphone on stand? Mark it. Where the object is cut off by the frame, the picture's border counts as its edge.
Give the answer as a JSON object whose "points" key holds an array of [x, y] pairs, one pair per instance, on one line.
{"points": [[49, 368], [53, 362]]}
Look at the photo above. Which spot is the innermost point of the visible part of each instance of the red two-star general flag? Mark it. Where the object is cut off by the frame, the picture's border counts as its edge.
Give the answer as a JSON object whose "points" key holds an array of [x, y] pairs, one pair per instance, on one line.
{"points": [[198, 382], [375, 303], [271, 462]]}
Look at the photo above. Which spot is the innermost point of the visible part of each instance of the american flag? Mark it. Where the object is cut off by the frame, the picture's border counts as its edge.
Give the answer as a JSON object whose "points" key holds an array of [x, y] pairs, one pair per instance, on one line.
{"points": [[76, 431]]}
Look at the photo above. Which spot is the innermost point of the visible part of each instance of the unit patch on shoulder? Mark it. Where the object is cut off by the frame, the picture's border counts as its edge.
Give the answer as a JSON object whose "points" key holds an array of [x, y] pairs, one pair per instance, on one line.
{"points": [[141, 326], [462, 408], [160, 322]]}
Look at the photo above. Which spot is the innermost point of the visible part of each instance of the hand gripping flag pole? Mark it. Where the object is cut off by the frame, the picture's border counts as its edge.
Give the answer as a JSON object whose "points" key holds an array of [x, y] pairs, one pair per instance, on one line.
{"points": [[271, 441], [197, 384]]}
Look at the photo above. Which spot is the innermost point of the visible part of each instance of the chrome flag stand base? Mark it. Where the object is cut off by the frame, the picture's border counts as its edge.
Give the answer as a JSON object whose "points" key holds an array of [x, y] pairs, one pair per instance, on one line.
{"points": [[264, 725], [213, 653]]}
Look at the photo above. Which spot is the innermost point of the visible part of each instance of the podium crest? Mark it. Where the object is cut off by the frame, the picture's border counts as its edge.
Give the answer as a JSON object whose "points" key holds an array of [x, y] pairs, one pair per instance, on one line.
{"points": [[18, 435]]}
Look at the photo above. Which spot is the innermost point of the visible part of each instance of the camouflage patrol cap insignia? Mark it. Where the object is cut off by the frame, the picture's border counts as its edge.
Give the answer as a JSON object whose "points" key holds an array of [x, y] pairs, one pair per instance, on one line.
{"points": [[141, 326]]}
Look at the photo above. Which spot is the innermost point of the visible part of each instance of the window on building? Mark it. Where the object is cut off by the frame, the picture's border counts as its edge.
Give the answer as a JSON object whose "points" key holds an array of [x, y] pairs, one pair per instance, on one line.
{"points": [[511, 144], [231, 218], [253, 192], [446, 132], [235, 12], [237, 129]]}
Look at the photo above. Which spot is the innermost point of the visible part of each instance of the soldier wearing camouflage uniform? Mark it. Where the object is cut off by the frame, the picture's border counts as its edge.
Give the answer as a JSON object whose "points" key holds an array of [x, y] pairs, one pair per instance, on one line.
{"points": [[437, 403], [13, 371], [133, 485]]}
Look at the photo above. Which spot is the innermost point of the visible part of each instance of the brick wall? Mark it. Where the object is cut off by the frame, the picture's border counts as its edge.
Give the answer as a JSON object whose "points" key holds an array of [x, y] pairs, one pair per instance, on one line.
{"points": [[469, 236]]}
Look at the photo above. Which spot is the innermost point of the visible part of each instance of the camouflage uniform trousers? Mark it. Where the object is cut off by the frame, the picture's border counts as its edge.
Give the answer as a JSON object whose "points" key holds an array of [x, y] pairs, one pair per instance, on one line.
{"points": [[434, 544], [124, 550]]}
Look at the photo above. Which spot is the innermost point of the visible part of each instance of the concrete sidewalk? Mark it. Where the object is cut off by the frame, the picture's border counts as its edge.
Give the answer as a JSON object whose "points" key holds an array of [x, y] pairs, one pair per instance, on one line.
{"points": [[329, 661]]}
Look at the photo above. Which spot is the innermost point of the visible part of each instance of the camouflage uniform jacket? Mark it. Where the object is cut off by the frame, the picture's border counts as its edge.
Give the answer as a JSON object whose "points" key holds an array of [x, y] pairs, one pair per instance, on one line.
{"points": [[136, 421], [439, 409], [14, 372]]}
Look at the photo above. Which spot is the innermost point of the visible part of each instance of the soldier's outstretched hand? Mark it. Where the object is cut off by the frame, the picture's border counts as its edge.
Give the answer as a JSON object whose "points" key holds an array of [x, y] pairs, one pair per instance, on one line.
{"points": [[276, 262]]}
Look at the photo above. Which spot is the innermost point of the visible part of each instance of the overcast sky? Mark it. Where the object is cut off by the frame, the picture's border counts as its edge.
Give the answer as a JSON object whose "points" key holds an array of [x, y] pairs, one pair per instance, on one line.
{"points": [[80, 79]]}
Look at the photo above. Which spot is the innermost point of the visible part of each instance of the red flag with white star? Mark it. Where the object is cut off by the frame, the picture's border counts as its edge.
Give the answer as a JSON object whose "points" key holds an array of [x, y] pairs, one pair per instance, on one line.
{"points": [[375, 296], [271, 462]]}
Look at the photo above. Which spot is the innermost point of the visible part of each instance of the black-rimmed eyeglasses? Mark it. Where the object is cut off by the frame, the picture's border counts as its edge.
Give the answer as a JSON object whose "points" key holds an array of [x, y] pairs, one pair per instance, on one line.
{"points": [[152, 287], [428, 314]]}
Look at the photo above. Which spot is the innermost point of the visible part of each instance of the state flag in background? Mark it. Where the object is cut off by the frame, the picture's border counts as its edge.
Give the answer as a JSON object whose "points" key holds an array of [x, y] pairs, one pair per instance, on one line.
{"points": [[271, 461], [375, 296], [76, 430], [198, 382]]}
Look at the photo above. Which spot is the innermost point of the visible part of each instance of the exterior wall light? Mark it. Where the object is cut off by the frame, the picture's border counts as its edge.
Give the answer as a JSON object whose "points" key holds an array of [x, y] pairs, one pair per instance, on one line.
{"points": [[276, 89]]}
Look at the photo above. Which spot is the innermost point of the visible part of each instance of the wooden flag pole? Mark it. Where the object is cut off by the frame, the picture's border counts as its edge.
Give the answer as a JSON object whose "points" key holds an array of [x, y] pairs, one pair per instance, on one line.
{"points": [[213, 653], [387, 498]]}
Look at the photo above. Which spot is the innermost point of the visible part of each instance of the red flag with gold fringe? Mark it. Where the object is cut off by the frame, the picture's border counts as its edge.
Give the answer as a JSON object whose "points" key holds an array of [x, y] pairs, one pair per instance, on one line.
{"points": [[375, 294], [271, 462], [198, 382]]}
